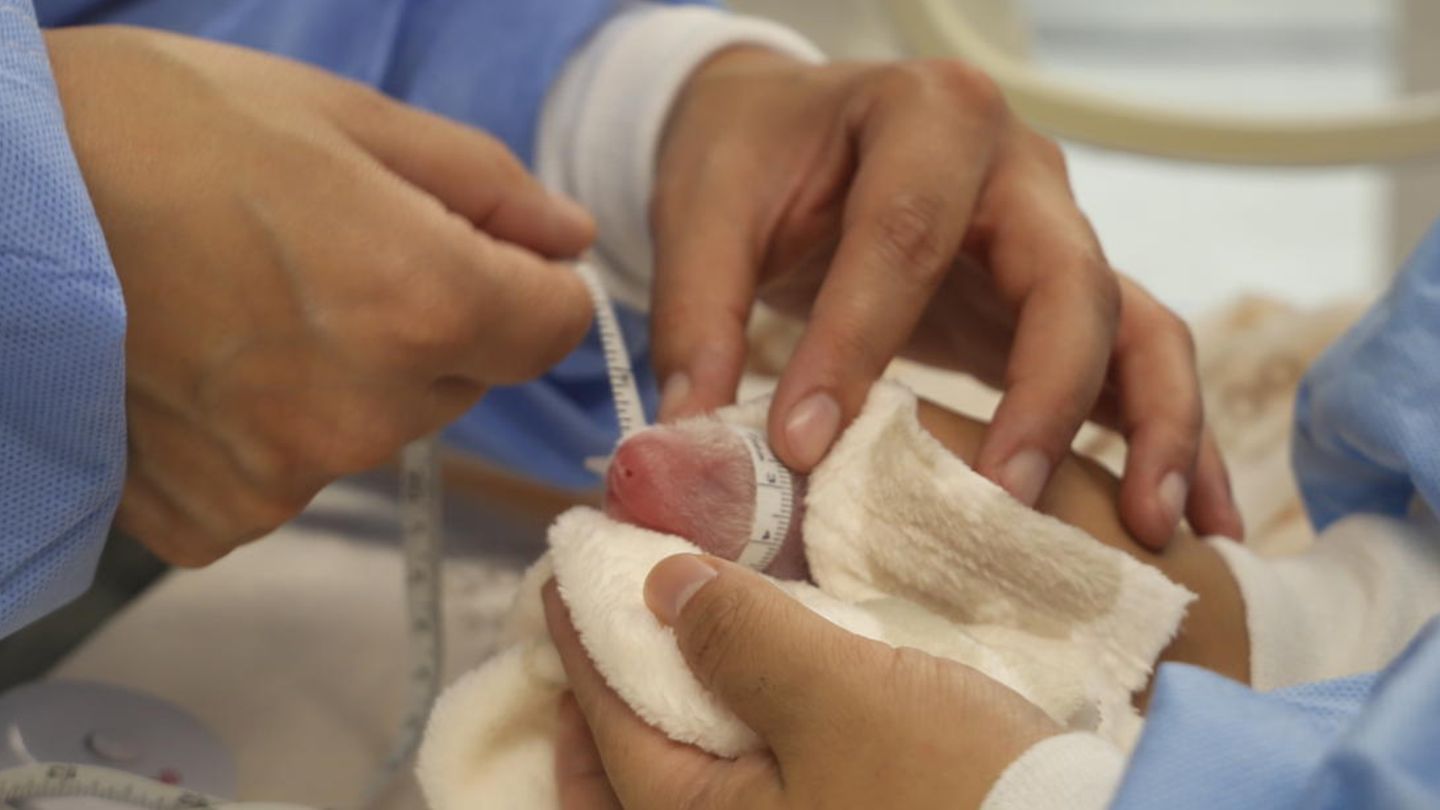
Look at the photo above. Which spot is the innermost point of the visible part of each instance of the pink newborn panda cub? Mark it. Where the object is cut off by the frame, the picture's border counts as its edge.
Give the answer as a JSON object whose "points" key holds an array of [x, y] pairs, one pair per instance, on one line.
{"points": [[695, 479]]}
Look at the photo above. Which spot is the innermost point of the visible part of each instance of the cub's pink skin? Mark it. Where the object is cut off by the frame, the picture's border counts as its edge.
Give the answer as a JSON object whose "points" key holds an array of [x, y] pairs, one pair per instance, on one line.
{"points": [[694, 479]]}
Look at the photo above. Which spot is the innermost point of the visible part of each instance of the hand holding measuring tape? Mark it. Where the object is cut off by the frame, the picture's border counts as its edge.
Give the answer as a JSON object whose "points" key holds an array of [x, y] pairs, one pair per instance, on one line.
{"points": [[313, 274]]}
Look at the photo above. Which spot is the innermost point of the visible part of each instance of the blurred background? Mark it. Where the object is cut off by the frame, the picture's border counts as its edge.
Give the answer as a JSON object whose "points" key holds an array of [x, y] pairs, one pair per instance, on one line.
{"points": [[1197, 234]]}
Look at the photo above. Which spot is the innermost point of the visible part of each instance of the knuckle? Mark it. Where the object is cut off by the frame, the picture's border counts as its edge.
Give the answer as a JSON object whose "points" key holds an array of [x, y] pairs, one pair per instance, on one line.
{"points": [[908, 236], [1161, 324], [864, 359], [502, 164], [1178, 440], [1101, 286], [1179, 331], [1048, 152], [357, 102], [360, 434], [967, 86]]}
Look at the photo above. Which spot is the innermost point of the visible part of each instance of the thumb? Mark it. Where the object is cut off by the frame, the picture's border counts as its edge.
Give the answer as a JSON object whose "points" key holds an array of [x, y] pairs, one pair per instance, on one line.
{"points": [[772, 661], [472, 174]]}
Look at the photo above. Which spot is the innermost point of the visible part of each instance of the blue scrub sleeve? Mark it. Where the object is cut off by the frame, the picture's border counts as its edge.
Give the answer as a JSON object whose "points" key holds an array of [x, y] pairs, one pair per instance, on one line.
{"points": [[1367, 430], [1369, 741], [1367, 440], [62, 345]]}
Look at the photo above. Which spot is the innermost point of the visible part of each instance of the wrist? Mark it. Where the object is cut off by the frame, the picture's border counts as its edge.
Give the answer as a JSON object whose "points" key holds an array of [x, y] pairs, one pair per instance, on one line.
{"points": [[1214, 634]]}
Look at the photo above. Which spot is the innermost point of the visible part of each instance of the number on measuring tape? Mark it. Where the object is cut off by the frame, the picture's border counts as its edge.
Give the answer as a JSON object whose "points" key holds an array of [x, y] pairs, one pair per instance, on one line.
{"points": [[774, 501]]}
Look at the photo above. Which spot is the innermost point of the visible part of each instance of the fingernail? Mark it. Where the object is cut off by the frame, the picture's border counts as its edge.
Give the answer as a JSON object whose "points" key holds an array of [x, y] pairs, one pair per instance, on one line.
{"points": [[673, 582], [674, 394], [1023, 476], [811, 428], [1173, 490]]}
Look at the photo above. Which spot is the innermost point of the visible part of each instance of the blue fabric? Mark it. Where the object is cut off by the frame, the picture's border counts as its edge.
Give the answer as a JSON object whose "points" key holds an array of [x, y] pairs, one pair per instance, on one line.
{"points": [[1361, 743], [62, 346], [62, 438], [1367, 435], [1367, 440]]}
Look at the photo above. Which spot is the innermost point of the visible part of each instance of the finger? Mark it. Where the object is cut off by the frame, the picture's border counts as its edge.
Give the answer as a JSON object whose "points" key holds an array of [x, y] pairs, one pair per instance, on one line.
{"points": [[580, 778], [704, 288], [474, 308], [1068, 302], [1212, 509], [923, 156], [647, 769], [1161, 414], [470, 172], [780, 667], [533, 313]]}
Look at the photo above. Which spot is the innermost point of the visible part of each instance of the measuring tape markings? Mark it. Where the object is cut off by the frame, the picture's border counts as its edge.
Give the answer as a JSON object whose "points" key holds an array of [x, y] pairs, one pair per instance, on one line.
{"points": [[774, 501], [62, 780], [422, 523], [629, 411]]}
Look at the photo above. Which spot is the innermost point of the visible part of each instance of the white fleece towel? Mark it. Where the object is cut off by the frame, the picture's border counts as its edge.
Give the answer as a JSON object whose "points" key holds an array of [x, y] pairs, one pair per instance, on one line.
{"points": [[907, 545]]}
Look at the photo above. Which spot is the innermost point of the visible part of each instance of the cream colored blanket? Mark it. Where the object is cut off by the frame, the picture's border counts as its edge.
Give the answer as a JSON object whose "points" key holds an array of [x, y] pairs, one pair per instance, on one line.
{"points": [[906, 544]]}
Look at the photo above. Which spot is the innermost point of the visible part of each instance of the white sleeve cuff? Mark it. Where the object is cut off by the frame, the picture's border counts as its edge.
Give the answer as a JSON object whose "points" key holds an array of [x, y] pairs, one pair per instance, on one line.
{"points": [[1346, 606], [601, 125], [1075, 771]]}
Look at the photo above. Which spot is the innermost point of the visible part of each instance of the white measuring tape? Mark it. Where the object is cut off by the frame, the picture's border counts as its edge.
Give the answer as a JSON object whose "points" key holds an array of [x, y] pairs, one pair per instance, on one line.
{"points": [[629, 411], [774, 501], [422, 528], [54, 781]]}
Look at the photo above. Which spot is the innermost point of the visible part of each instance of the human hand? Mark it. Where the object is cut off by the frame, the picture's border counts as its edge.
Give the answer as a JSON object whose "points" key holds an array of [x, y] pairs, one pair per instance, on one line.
{"points": [[904, 209], [847, 722], [313, 274]]}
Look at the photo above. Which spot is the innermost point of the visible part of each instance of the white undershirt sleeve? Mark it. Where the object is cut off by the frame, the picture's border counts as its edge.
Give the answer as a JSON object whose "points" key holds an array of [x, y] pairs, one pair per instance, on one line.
{"points": [[601, 124], [1348, 605], [1075, 771]]}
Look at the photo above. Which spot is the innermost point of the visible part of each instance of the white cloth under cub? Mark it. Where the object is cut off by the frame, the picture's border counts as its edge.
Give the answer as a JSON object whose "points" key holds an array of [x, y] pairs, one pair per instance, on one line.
{"points": [[907, 545]]}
